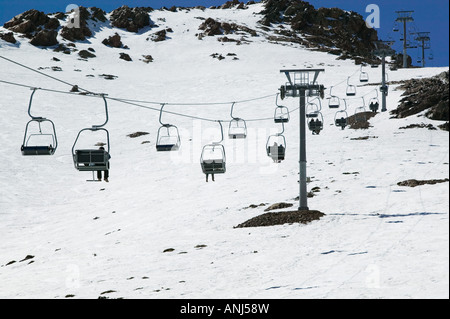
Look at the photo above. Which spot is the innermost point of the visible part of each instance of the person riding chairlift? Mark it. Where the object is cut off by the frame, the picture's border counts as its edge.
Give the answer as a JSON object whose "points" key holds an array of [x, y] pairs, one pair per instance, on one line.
{"points": [[105, 172]]}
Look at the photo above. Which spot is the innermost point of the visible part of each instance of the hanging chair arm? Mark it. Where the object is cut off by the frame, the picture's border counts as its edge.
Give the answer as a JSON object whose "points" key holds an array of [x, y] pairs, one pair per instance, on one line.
{"points": [[276, 101], [221, 132], [160, 114], [282, 131], [331, 88], [106, 113], [29, 106], [231, 112]]}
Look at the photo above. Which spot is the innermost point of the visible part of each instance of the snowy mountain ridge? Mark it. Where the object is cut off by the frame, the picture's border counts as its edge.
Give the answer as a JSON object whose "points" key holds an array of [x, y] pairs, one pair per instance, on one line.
{"points": [[157, 229]]}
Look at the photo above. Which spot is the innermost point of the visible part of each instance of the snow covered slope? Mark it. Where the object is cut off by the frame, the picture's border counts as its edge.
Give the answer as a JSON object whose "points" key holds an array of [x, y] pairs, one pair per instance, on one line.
{"points": [[158, 230]]}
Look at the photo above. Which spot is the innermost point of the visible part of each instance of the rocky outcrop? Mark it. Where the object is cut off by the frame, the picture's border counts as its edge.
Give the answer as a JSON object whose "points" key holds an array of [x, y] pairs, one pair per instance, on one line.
{"points": [[211, 27], [45, 38], [131, 19], [429, 95], [232, 4], [343, 32], [27, 22], [113, 41], [41, 28], [125, 56], [78, 34], [85, 54], [8, 37], [160, 35], [147, 58], [35, 25]]}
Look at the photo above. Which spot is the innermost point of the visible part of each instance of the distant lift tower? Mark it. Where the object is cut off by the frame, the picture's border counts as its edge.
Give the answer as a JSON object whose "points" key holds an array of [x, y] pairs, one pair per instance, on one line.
{"points": [[424, 42], [404, 17], [383, 50], [302, 83]]}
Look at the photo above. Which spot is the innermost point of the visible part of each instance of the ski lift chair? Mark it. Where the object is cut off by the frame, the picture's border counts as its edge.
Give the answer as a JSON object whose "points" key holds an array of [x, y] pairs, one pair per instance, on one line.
{"points": [[312, 110], [374, 103], [351, 89], [316, 125], [341, 119], [213, 157], [334, 101], [89, 159], [364, 77], [281, 113], [276, 146], [237, 128], [34, 140], [168, 138], [29, 148]]}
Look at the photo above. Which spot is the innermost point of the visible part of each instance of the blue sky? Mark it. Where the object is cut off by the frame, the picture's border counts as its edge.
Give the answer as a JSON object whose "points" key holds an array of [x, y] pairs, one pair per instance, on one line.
{"points": [[430, 15]]}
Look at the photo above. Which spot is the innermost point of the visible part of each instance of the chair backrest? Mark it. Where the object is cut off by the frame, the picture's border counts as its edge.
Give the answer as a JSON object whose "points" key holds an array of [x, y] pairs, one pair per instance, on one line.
{"points": [[91, 160]]}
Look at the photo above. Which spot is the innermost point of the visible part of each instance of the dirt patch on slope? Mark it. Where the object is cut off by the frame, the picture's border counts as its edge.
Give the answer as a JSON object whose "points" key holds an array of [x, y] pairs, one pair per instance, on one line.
{"points": [[270, 219], [415, 182]]}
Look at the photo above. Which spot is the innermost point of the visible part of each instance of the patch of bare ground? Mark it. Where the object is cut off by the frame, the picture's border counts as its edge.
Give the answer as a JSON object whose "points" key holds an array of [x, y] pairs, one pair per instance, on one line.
{"points": [[360, 120], [280, 218], [415, 182]]}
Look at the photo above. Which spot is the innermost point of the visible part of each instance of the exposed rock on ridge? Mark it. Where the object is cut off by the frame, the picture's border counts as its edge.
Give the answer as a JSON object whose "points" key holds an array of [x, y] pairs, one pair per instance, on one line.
{"points": [[430, 95], [131, 19], [329, 29]]}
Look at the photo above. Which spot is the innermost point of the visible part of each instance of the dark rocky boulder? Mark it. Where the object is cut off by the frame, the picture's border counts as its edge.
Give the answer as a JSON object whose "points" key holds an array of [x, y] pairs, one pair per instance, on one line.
{"points": [[147, 58], [45, 38], [62, 48], [97, 14], [125, 56], [159, 36], [131, 19], [81, 33], [85, 54], [52, 24], [233, 3], [113, 41], [8, 37], [27, 21], [211, 27], [24, 27]]}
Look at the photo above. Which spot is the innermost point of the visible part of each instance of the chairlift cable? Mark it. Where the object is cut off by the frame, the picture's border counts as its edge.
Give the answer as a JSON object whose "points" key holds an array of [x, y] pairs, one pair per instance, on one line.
{"points": [[42, 73]]}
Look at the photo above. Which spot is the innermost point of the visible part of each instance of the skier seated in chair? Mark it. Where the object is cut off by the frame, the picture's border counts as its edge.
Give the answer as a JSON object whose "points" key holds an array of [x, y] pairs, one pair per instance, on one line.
{"points": [[106, 171]]}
